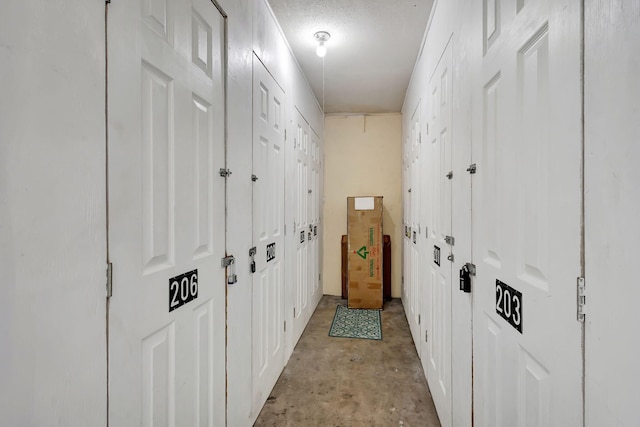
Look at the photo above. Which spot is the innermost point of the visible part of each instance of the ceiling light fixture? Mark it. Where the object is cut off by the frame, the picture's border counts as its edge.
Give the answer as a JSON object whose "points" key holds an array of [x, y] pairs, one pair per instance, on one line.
{"points": [[321, 37]]}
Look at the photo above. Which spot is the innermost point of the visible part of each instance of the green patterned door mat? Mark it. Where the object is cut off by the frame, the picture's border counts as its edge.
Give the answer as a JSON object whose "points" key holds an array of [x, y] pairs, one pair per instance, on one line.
{"points": [[356, 323]]}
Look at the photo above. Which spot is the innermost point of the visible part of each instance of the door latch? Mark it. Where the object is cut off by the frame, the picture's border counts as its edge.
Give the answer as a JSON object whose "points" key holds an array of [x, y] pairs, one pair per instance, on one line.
{"points": [[471, 268], [252, 253], [230, 262], [465, 279]]}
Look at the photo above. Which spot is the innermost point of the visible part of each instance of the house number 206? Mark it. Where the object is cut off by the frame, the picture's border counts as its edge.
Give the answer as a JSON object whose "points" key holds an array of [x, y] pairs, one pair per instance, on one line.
{"points": [[182, 289], [509, 304]]}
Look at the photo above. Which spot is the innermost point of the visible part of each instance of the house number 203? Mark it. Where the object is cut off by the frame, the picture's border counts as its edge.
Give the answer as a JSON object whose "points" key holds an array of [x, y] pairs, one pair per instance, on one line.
{"points": [[509, 304], [182, 289]]}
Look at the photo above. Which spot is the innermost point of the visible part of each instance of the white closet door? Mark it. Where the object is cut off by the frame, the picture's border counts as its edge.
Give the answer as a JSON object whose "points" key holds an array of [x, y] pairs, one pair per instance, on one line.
{"points": [[166, 213], [302, 224], [268, 233], [526, 217], [414, 276], [439, 283]]}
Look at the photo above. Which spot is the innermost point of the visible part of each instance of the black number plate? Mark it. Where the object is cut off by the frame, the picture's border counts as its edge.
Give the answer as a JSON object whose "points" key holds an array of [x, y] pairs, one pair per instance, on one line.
{"points": [[436, 255], [509, 304], [271, 251], [182, 289]]}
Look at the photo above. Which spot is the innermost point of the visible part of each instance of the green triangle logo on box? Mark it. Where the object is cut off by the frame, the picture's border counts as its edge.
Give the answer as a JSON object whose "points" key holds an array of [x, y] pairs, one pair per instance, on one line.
{"points": [[363, 252]]}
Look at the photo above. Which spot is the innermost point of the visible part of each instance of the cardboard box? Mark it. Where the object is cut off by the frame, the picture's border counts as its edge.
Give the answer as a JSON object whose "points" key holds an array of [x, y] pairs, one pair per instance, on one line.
{"points": [[386, 266], [365, 256]]}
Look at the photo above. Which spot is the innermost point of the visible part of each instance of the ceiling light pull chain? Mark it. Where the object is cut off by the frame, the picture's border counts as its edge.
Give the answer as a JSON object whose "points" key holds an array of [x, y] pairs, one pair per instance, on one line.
{"points": [[322, 37], [323, 85]]}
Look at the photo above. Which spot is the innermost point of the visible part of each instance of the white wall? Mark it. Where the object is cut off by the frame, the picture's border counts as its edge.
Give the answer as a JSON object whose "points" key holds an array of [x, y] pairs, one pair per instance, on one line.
{"points": [[362, 158], [612, 203], [52, 213]]}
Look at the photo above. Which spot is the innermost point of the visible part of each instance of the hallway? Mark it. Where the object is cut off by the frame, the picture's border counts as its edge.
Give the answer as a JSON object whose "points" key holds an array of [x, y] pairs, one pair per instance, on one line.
{"points": [[348, 382], [173, 181]]}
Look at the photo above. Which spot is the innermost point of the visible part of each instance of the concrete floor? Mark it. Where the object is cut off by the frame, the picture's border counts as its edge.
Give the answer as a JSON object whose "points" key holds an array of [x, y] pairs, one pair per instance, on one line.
{"points": [[352, 382]]}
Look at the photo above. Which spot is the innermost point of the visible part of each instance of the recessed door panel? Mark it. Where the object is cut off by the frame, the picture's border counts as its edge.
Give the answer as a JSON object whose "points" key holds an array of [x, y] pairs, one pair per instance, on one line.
{"points": [[202, 130], [157, 168], [492, 176]]}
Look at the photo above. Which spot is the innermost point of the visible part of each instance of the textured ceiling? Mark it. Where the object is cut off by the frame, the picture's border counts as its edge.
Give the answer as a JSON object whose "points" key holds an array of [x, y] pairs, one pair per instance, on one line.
{"points": [[374, 45]]}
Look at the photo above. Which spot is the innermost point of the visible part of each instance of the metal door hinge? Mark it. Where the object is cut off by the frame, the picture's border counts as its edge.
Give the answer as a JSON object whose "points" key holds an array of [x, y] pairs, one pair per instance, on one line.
{"points": [[285, 134], [109, 280], [450, 175], [449, 240], [285, 229], [419, 319], [285, 326], [294, 312], [254, 178], [471, 268], [426, 335], [472, 168], [225, 172], [582, 300]]}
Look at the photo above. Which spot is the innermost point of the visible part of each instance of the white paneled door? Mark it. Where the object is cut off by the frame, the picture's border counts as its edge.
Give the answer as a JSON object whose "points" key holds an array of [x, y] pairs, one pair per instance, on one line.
{"points": [[526, 217], [166, 207], [415, 278], [314, 215], [302, 224], [439, 244], [268, 233]]}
